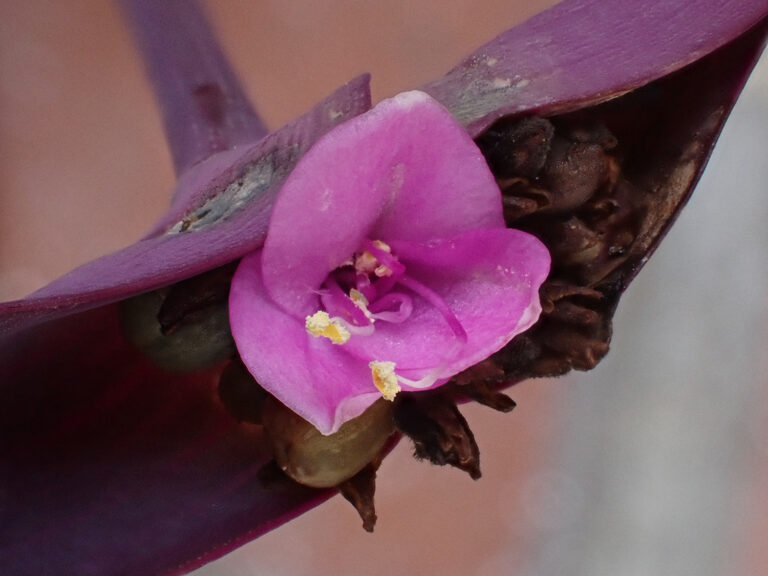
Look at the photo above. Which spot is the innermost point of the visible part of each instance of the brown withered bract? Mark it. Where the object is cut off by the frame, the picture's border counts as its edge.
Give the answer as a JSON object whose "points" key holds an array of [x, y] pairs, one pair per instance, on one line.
{"points": [[614, 178], [439, 432], [359, 491]]}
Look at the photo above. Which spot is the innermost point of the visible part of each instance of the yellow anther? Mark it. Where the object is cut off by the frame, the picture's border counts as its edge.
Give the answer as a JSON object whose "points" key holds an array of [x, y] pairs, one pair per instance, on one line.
{"points": [[365, 263], [358, 298], [385, 379], [382, 246], [321, 324], [382, 271]]}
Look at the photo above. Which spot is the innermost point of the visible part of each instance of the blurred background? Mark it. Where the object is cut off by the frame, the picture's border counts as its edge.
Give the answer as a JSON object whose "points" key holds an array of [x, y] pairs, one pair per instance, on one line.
{"points": [[654, 463]]}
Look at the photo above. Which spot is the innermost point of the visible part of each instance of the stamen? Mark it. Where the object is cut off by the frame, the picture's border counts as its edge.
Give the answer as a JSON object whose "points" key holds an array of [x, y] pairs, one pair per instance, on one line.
{"points": [[365, 263], [393, 307], [437, 301], [342, 306], [385, 258], [361, 302], [425, 381], [382, 246], [382, 271], [321, 324], [356, 330], [385, 379]]}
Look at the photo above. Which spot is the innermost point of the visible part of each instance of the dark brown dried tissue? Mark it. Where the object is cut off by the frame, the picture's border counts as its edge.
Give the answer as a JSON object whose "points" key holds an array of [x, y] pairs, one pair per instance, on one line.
{"points": [[599, 187]]}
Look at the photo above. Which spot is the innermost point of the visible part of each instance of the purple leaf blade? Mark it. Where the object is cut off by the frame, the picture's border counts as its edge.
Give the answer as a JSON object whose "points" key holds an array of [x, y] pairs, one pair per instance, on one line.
{"points": [[111, 466], [582, 52], [226, 232]]}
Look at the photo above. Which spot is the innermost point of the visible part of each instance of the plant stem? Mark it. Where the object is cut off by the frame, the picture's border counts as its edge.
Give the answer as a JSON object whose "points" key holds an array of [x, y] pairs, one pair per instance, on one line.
{"points": [[203, 106]]}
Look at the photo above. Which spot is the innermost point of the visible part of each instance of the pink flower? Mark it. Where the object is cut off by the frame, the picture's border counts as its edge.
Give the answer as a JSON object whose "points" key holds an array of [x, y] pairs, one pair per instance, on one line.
{"points": [[387, 266]]}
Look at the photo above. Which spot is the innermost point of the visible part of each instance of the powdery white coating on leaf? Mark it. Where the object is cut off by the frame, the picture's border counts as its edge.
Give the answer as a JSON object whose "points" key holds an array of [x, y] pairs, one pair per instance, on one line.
{"points": [[405, 173]]}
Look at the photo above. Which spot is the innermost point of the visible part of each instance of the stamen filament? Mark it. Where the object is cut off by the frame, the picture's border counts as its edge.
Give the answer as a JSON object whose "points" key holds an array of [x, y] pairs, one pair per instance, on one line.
{"points": [[393, 307], [437, 301], [354, 329], [343, 306], [425, 382]]}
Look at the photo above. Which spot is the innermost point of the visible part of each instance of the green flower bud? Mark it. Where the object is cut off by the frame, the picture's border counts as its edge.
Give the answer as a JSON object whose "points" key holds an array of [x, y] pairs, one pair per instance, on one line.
{"points": [[313, 459], [202, 340]]}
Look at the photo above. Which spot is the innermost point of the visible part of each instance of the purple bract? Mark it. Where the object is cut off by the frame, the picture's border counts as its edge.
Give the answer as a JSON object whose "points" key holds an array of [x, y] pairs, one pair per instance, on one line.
{"points": [[387, 265]]}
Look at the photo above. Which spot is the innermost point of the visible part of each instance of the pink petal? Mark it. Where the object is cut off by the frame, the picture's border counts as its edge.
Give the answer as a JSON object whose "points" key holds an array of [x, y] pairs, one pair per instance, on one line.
{"points": [[488, 278], [406, 170], [312, 376]]}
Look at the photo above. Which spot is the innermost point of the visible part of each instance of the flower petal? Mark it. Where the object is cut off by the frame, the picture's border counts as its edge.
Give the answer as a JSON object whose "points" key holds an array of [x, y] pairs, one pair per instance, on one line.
{"points": [[488, 278], [312, 376], [406, 170]]}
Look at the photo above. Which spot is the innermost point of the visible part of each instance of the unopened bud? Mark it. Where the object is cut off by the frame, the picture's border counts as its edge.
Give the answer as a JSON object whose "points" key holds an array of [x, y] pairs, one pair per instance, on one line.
{"points": [[202, 340], [311, 458]]}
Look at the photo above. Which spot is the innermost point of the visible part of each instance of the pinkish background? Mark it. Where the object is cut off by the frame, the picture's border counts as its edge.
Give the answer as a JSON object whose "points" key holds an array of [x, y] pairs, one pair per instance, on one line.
{"points": [[655, 463]]}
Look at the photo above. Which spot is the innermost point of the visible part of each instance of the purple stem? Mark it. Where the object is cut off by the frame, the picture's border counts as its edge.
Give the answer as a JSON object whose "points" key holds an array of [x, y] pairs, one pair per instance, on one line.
{"points": [[203, 106]]}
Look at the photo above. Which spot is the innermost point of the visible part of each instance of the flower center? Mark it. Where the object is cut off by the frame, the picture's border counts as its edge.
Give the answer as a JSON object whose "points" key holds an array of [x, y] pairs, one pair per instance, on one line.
{"points": [[373, 285]]}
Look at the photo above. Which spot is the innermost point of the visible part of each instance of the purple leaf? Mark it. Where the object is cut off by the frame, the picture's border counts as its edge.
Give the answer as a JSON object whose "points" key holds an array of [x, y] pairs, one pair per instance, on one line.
{"points": [[229, 197], [582, 52], [110, 465]]}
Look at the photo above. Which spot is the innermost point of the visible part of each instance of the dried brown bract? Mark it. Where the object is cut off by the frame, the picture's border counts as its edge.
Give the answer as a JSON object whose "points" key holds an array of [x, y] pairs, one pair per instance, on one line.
{"points": [[439, 432]]}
